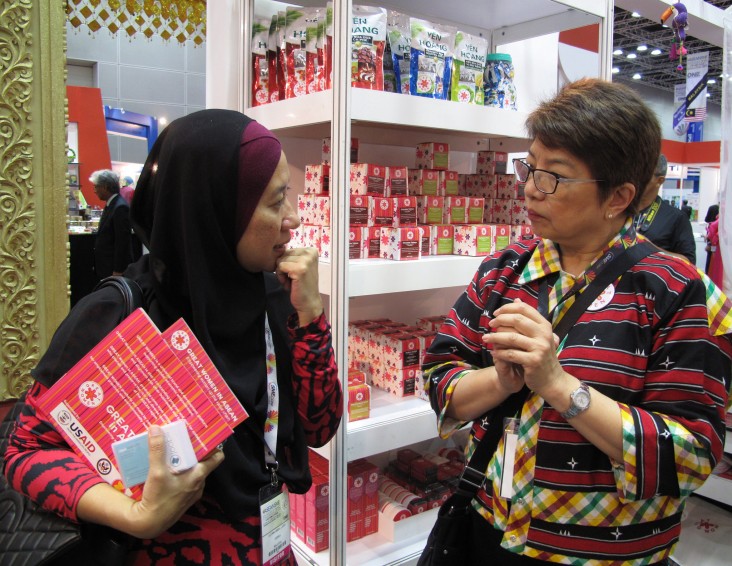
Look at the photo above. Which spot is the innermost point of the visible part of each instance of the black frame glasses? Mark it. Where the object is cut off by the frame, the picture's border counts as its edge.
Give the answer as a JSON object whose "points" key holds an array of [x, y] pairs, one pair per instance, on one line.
{"points": [[523, 169]]}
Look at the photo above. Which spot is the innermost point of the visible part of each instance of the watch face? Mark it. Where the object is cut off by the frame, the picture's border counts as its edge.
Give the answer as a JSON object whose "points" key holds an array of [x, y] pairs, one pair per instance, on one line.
{"points": [[581, 398]]}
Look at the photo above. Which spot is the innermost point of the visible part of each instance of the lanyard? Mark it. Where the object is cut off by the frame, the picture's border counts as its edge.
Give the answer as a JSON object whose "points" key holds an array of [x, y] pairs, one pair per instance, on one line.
{"points": [[273, 402], [643, 221]]}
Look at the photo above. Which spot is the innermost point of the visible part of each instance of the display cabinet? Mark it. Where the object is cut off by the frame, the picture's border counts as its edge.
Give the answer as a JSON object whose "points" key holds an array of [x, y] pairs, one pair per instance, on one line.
{"points": [[389, 126]]}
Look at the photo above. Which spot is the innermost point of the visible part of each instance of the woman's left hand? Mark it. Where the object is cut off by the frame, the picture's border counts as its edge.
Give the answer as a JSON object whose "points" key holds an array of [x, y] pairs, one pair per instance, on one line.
{"points": [[521, 336], [297, 270]]}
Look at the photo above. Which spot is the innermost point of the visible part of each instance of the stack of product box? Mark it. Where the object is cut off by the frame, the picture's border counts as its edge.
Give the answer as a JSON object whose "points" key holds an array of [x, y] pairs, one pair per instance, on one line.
{"points": [[309, 512], [403, 213]]}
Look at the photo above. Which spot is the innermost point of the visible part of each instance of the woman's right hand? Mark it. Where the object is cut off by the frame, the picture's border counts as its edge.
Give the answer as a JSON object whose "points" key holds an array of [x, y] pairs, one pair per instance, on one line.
{"points": [[166, 495]]}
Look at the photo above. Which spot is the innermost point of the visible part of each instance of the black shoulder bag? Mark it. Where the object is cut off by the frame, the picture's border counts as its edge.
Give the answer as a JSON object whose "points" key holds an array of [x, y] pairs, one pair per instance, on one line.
{"points": [[449, 539], [31, 535]]}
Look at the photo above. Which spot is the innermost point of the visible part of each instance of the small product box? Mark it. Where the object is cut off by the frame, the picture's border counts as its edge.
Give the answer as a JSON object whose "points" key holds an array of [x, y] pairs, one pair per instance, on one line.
{"points": [[426, 245], [519, 213], [495, 160], [326, 150], [296, 238], [317, 523], [398, 382], [400, 244], [479, 185], [324, 249], [522, 233], [475, 210], [311, 235], [371, 478], [371, 240], [356, 249], [455, 210], [449, 184], [430, 209], [359, 396], [501, 236], [321, 210], [383, 211], [361, 211], [501, 211], [424, 182], [488, 210], [306, 208], [367, 178], [354, 493], [397, 181], [431, 322], [473, 240], [433, 155], [317, 178], [442, 239], [401, 349], [506, 186], [405, 211]]}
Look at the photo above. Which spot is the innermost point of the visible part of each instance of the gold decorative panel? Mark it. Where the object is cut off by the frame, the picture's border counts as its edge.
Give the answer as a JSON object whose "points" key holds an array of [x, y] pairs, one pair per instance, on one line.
{"points": [[181, 20]]}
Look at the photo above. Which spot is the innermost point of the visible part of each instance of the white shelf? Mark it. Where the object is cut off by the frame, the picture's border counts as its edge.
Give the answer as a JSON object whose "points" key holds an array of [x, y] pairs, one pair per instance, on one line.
{"points": [[393, 423], [379, 276], [717, 488]]}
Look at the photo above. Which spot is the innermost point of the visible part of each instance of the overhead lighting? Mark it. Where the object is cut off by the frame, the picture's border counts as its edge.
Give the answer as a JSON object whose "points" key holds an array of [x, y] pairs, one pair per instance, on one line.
{"points": [[708, 95], [711, 82], [162, 120], [618, 52], [616, 70], [631, 56], [636, 15], [642, 48], [656, 52], [637, 76]]}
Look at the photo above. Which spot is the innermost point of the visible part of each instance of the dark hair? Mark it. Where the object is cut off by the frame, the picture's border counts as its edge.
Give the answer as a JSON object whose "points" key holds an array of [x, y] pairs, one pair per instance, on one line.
{"points": [[605, 125], [107, 179], [661, 166]]}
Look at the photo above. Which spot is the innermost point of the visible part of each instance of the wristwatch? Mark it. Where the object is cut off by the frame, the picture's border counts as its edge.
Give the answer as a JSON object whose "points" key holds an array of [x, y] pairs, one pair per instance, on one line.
{"points": [[579, 402]]}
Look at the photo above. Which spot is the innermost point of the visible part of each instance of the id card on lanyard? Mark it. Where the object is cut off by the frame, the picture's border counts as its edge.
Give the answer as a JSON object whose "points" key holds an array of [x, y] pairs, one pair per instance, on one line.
{"points": [[274, 501]]}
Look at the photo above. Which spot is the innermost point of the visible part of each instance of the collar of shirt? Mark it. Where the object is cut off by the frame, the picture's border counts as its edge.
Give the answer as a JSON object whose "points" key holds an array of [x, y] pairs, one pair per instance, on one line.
{"points": [[545, 261], [110, 200]]}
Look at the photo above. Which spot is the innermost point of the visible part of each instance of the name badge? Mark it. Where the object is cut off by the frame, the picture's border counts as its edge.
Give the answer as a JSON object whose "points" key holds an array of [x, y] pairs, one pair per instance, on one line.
{"points": [[510, 440], [274, 509]]}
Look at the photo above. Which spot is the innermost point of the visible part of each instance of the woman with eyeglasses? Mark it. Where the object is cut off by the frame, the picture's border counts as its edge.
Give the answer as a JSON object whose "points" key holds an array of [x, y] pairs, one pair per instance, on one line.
{"points": [[623, 417]]}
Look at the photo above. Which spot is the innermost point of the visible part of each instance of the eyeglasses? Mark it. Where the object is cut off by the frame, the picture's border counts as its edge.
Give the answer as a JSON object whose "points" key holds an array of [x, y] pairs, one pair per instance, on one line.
{"points": [[545, 181]]}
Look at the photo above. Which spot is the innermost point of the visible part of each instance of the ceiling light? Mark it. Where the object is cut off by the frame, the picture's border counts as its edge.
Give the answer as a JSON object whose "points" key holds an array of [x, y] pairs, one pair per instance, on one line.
{"points": [[632, 55], [636, 15], [642, 48], [162, 120], [711, 82], [656, 52], [637, 76], [616, 70], [618, 52], [708, 95]]}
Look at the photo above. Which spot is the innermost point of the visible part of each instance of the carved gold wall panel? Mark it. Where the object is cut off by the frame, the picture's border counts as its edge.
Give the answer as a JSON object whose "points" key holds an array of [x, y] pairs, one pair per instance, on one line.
{"points": [[33, 241]]}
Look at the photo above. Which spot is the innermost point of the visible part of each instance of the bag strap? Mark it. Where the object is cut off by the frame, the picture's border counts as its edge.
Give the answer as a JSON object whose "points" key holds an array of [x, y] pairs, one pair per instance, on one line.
{"points": [[130, 290], [473, 475]]}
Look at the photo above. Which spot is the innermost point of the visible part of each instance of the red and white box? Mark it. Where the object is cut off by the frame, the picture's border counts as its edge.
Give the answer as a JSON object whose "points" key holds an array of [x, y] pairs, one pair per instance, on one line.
{"points": [[317, 523], [442, 239], [371, 242], [383, 211], [306, 208], [431, 322], [354, 505], [506, 186], [361, 210], [519, 213], [475, 210], [317, 178], [296, 238], [522, 233], [398, 382], [371, 477], [397, 181], [311, 235], [356, 249], [425, 246], [368, 178], [501, 211], [405, 211], [326, 150], [321, 210], [449, 183], [325, 239], [490, 162], [455, 210], [359, 396], [479, 185], [488, 210], [473, 240], [424, 182], [501, 236], [401, 349], [430, 209], [433, 155], [401, 244]]}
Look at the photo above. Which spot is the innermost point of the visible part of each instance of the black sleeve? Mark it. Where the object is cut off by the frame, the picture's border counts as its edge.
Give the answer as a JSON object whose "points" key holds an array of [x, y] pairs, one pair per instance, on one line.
{"points": [[122, 238], [684, 242]]}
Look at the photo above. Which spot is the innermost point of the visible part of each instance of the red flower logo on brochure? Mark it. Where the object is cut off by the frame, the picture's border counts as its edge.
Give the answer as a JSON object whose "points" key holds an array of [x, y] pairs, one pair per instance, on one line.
{"points": [[180, 340], [91, 394]]}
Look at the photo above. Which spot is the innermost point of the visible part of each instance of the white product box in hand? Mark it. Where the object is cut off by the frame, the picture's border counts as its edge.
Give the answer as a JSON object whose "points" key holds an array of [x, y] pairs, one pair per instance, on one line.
{"points": [[133, 455]]}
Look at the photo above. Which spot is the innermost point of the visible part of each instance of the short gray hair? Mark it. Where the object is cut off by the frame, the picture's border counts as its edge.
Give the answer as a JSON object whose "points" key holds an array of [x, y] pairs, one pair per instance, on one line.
{"points": [[107, 179], [661, 166]]}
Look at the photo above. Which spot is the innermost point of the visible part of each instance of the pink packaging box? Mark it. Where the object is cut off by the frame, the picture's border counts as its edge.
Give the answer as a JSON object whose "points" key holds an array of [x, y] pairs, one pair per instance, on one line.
{"points": [[371, 241], [506, 186], [442, 239], [383, 211], [519, 214], [501, 211], [326, 147], [449, 183], [473, 240], [497, 159], [317, 523], [430, 209], [424, 182], [400, 350], [311, 236], [317, 178], [356, 248], [398, 382], [397, 181], [426, 244], [297, 238], [367, 178], [522, 233], [405, 211], [475, 210], [324, 249], [354, 492], [361, 210], [433, 155], [306, 208], [455, 211], [321, 210], [400, 244], [479, 185]]}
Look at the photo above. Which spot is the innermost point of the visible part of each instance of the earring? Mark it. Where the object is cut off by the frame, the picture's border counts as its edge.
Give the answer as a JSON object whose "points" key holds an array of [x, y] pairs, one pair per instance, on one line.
{"points": [[609, 215]]}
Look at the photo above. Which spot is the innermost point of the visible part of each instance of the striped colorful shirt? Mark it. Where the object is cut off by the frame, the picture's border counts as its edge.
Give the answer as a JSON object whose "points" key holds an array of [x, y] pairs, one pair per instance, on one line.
{"points": [[647, 344]]}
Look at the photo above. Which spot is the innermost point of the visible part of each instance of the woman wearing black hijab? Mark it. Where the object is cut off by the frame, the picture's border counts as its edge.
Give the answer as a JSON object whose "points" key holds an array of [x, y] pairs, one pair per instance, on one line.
{"points": [[212, 209]]}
